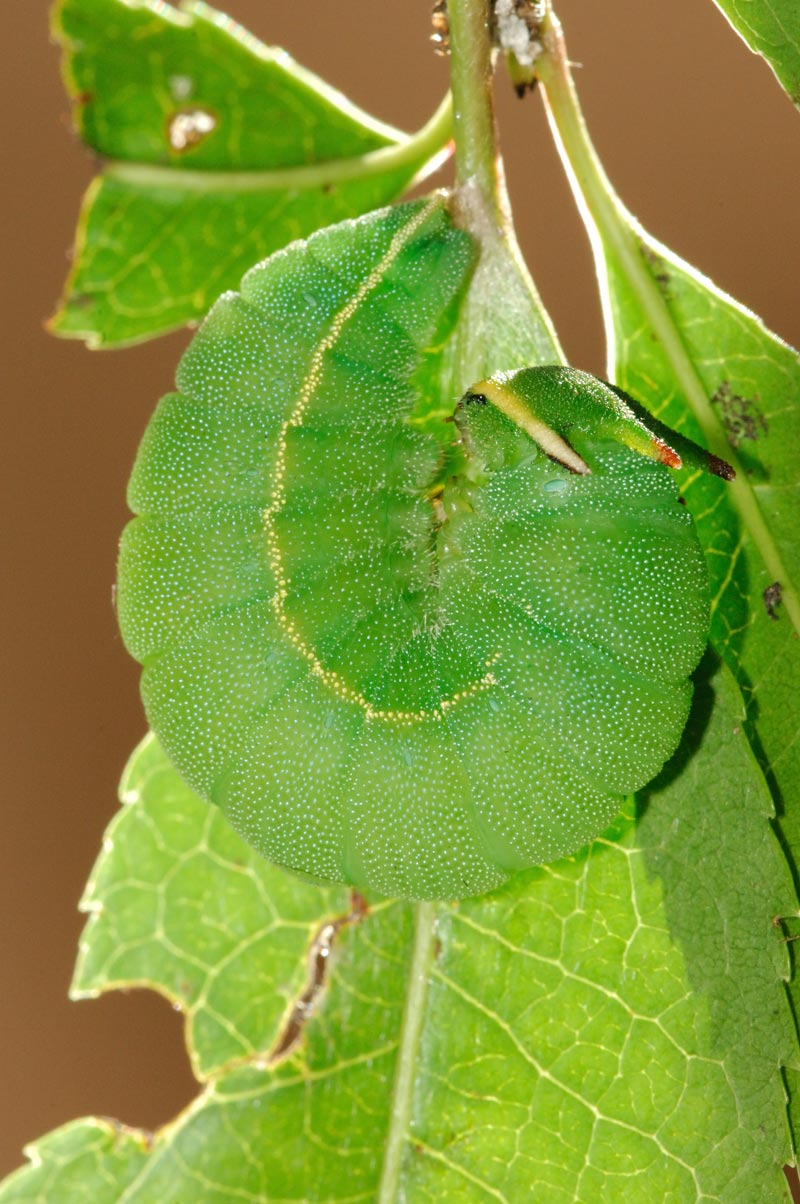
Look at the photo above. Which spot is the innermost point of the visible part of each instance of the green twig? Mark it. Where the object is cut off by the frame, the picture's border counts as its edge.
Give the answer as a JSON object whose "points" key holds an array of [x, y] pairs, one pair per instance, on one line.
{"points": [[503, 297], [471, 84]]}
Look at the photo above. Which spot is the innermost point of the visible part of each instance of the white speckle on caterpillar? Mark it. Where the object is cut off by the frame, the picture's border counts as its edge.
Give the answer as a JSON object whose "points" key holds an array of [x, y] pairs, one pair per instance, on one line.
{"points": [[400, 646]]}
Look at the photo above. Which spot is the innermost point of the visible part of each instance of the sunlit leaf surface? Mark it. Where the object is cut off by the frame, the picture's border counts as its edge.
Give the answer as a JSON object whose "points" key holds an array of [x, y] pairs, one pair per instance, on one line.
{"points": [[714, 371], [566, 1045]]}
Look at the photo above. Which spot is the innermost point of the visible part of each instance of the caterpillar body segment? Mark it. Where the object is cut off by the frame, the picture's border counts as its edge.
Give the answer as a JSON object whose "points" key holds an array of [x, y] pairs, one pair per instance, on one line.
{"points": [[404, 641]]}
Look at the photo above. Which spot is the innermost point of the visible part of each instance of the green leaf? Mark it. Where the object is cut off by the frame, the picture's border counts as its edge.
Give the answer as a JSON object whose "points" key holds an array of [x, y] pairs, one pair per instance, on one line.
{"points": [[178, 900], [706, 366], [747, 381], [729, 380], [219, 151], [551, 1039], [704, 832], [89, 1160], [771, 28], [502, 324]]}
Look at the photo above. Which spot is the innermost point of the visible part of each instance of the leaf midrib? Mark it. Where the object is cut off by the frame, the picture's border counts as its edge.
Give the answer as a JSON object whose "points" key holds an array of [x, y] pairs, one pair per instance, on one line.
{"points": [[422, 150], [406, 1065]]}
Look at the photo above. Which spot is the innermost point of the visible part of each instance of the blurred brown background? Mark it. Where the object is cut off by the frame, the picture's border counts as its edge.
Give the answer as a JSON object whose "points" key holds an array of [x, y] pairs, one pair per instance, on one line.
{"points": [[703, 147]]}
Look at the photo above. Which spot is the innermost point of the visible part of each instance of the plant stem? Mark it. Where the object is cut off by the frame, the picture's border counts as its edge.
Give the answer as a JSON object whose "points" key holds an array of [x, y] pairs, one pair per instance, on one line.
{"points": [[503, 322], [612, 229], [471, 84], [427, 147], [406, 1066]]}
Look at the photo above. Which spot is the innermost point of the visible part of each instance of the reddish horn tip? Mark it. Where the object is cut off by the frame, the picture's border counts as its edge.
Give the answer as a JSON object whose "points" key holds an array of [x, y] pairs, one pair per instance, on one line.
{"points": [[666, 455]]}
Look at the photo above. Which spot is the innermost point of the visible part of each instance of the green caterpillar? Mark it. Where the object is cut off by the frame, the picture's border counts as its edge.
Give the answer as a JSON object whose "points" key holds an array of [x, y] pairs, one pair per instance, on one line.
{"points": [[403, 641]]}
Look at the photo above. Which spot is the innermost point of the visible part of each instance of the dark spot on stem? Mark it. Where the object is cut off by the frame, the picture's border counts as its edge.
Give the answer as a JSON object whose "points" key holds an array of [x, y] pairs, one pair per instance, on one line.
{"points": [[523, 86], [658, 269]]}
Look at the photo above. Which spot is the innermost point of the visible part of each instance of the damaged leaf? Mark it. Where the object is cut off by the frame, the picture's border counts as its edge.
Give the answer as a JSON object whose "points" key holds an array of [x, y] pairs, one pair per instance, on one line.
{"points": [[552, 1033], [218, 151]]}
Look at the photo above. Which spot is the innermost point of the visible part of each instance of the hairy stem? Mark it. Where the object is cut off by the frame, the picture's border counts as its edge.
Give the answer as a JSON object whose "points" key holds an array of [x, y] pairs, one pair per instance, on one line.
{"points": [[429, 145], [406, 1066], [613, 229]]}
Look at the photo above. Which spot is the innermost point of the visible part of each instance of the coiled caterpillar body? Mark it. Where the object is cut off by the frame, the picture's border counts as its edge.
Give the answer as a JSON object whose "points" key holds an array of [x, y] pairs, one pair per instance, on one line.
{"points": [[403, 641]]}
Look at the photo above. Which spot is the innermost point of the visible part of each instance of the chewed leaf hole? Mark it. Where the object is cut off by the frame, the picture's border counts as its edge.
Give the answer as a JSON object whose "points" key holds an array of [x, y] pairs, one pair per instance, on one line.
{"points": [[319, 956]]}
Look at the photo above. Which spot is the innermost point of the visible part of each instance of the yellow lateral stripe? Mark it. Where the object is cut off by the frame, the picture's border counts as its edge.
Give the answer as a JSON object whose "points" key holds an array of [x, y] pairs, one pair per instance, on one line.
{"points": [[332, 679]]}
